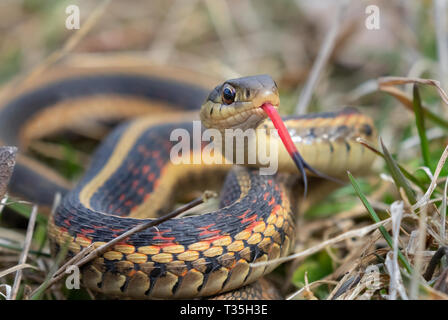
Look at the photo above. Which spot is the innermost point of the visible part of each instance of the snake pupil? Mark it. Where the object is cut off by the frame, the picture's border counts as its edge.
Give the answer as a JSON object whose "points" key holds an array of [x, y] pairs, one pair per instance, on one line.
{"points": [[228, 95]]}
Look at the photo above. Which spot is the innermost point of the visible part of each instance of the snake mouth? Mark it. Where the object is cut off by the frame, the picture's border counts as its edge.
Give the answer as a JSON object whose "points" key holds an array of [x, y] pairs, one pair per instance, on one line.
{"points": [[243, 117]]}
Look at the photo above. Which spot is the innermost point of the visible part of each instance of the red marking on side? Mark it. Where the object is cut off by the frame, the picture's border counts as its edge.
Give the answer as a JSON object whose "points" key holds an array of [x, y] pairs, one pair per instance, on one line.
{"points": [[145, 169], [141, 191], [252, 218], [128, 203], [167, 145], [85, 231], [347, 115], [151, 177], [135, 184], [252, 226], [166, 244], [184, 273], [155, 184], [265, 196], [123, 243], [244, 214], [122, 197], [275, 209], [272, 201], [206, 232], [160, 236], [80, 235], [211, 239], [67, 222], [244, 219], [206, 227]]}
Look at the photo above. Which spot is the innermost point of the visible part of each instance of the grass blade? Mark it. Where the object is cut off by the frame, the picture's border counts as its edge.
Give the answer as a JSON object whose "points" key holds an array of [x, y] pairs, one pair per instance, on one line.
{"points": [[406, 101], [375, 218], [397, 175], [420, 122], [16, 268], [406, 173], [62, 254]]}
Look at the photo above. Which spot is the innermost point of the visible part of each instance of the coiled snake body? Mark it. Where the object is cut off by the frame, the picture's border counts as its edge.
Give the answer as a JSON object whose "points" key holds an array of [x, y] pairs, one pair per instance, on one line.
{"points": [[131, 178]]}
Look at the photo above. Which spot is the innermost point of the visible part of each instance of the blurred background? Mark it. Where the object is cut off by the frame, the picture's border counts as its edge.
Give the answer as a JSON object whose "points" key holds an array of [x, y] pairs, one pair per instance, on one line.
{"points": [[231, 38]]}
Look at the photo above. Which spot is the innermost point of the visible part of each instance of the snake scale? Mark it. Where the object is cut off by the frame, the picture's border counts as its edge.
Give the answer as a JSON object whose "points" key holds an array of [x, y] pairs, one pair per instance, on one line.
{"points": [[131, 178]]}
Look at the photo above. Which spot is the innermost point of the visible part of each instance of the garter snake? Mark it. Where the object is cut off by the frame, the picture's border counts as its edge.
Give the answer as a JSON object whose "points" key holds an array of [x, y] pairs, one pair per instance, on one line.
{"points": [[131, 178]]}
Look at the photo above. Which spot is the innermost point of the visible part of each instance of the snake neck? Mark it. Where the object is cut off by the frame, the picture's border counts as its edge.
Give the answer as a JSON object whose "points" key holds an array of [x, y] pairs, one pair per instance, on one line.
{"points": [[327, 142]]}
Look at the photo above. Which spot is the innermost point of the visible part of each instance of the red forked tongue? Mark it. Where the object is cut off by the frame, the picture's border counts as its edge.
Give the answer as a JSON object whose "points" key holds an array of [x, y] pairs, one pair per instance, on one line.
{"points": [[290, 146]]}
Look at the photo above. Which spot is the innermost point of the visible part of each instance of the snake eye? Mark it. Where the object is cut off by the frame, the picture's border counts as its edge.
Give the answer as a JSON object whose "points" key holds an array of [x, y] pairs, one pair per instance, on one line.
{"points": [[228, 95]]}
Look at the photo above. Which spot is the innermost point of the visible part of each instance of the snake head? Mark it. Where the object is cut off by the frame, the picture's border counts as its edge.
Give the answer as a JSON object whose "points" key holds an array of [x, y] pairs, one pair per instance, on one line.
{"points": [[236, 103]]}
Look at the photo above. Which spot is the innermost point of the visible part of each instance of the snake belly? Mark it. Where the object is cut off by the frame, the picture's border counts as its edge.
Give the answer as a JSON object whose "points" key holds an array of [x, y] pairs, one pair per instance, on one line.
{"points": [[131, 175]]}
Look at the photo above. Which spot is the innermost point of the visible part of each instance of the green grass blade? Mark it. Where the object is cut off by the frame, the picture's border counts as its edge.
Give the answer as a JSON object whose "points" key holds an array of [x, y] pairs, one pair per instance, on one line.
{"points": [[19, 249], [25, 211], [62, 254], [406, 173], [420, 122], [376, 219], [434, 118], [397, 175]]}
